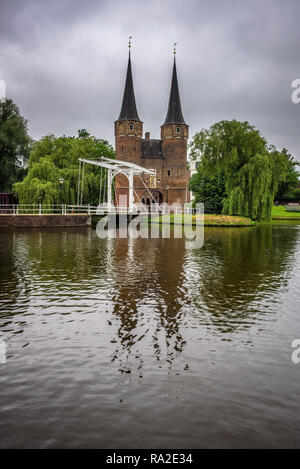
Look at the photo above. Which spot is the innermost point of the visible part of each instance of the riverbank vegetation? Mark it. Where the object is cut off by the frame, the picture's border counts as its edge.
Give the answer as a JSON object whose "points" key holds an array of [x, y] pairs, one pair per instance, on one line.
{"points": [[279, 213], [288, 189], [285, 213], [239, 172], [207, 220], [53, 170], [15, 145]]}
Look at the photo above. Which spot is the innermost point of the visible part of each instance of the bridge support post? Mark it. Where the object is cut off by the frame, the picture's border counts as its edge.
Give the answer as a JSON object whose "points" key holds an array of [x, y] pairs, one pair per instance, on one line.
{"points": [[130, 190], [109, 178]]}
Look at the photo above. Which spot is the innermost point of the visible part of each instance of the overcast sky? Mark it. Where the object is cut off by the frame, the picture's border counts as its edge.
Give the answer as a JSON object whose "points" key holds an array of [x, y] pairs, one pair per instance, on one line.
{"points": [[64, 63]]}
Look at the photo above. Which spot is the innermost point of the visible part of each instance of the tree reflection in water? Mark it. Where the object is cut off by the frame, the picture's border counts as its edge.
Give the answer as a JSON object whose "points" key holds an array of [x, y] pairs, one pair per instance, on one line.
{"points": [[149, 292], [159, 285], [149, 295], [235, 278]]}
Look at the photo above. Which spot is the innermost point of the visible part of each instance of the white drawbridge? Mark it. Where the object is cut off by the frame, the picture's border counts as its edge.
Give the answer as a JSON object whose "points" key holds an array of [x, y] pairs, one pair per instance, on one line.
{"points": [[113, 167]]}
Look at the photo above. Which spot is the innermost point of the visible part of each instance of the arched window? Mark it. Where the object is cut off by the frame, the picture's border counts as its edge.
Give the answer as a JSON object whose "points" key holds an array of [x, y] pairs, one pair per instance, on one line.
{"points": [[131, 126]]}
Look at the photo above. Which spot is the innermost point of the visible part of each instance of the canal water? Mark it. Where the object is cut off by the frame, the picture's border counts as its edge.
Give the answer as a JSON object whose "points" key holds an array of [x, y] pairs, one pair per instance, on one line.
{"points": [[132, 343]]}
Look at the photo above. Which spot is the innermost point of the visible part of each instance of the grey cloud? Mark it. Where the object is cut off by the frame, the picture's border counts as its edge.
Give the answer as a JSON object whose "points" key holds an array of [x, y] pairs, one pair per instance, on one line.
{"points": [[64, 63]]}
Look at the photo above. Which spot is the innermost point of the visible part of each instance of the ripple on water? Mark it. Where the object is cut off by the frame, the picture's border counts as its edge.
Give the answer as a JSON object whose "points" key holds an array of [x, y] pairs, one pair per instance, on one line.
{"points": [[127, 343]]}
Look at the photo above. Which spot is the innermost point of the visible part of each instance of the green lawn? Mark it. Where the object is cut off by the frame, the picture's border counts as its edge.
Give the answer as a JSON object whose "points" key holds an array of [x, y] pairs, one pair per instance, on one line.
{"points": [[209, 220], [280, 213]]}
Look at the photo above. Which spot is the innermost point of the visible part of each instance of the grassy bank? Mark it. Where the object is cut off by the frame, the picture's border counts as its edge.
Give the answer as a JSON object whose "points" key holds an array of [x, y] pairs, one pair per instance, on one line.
{"points": [[209, 220], [280, 213]]}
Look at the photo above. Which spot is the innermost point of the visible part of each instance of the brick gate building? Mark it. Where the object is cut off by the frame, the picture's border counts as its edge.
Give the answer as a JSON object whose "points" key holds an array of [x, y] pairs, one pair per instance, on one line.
{"points": [[167, 155]]}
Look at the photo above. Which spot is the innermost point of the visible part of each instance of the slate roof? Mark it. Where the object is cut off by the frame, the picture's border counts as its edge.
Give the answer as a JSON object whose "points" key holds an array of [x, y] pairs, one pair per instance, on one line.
{"points": [[151, 148], [174, 114], [128, 110]]}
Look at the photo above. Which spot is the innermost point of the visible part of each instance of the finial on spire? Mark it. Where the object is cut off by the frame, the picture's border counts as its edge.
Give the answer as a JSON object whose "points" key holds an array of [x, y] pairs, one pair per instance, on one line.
{"points": [[129, 42], [174, 51]]}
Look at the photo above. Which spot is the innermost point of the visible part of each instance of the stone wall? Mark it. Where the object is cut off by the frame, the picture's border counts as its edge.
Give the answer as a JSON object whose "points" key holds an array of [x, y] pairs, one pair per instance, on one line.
{"points": [[38, 221]]}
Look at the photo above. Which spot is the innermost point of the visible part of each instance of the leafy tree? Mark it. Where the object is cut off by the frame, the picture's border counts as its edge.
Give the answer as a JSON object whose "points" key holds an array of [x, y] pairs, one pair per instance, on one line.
{"points": [[14, 142], [251, 169], [286, 189], [208, 189], [257, 184], [53, 158]]}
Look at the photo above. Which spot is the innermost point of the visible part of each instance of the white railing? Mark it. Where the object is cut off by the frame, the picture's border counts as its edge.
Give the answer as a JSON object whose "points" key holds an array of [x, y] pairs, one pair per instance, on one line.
{"points": [[42, 209], [63, 209]]}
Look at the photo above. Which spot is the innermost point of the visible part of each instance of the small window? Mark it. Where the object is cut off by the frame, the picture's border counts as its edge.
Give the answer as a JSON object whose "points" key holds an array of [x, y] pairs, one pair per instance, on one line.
{"points": [[178, 130], [197, 164], [134, 148], [131, 126], [169, 172]]}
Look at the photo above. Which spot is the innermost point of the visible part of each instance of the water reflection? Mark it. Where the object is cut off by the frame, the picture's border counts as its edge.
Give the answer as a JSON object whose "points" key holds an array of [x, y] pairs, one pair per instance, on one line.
{"points": [[236, 277], [151, 290], [121, 342], [148, 294]]}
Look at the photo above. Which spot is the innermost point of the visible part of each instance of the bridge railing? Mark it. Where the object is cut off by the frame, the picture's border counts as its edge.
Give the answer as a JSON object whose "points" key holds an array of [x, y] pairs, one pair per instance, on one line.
{"points": [[44, 209], [102, 209], [30, 209]]}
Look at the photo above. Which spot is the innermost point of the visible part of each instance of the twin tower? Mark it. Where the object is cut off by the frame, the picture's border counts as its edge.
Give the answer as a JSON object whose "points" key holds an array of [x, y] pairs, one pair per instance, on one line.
{"points": [[167, 155]]}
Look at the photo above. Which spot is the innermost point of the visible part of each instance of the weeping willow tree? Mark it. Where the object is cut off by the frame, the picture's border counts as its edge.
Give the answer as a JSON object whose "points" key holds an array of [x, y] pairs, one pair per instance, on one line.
{"points": [[251, 168], [257, 184], [53, 159]]}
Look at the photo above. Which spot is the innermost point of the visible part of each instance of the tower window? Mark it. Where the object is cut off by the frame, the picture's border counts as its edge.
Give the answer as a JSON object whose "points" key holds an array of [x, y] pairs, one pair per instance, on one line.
{"points": [[169, 172], [131, 126], [178, 130]]}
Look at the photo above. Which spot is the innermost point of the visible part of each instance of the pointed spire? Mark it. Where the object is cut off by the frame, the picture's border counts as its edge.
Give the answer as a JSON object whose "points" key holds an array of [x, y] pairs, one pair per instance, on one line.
{"points": [[128, 110], [174, 114]]}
